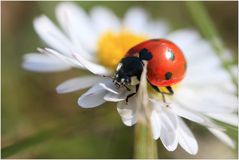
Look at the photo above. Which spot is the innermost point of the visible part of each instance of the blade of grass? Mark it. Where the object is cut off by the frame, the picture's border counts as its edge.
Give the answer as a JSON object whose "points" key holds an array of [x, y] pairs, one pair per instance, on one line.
{"points": [[203, 21], [27, 142], [51, 132]]}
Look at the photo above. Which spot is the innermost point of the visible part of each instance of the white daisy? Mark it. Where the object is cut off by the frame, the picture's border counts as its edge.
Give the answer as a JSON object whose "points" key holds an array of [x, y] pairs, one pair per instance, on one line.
{"points": [[96, 42]]}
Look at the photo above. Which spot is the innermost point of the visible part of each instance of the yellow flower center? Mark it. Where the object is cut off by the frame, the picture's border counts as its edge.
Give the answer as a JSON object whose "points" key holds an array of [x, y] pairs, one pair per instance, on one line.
{"points": [[113, 46]]}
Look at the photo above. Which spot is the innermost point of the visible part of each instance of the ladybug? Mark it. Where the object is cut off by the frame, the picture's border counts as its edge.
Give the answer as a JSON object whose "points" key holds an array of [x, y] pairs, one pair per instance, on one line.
{"points": [[166, 66]]}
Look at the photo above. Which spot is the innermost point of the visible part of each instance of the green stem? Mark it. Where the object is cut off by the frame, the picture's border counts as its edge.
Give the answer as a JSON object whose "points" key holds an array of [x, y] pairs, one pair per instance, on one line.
{"points": [[203, 21], [145, 145]]}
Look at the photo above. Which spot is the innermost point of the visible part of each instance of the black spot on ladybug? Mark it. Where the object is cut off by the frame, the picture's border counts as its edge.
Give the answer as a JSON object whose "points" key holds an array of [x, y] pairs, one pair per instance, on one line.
{"points": [[168, 75], [144, 54], [185, 66]]}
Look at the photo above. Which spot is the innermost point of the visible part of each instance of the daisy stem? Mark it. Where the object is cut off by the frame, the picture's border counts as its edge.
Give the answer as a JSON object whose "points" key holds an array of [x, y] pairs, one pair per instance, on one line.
{"points": [[205, 24], [145, 145]]}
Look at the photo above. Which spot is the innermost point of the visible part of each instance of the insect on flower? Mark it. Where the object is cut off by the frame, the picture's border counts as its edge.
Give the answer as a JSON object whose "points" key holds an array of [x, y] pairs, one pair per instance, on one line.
{"points": [[166, 66], [104, 48]]}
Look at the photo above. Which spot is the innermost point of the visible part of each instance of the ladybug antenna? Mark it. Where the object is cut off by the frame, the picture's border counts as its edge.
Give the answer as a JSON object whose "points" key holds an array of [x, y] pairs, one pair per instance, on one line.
{"points": [[107, 76], [126, 87]]}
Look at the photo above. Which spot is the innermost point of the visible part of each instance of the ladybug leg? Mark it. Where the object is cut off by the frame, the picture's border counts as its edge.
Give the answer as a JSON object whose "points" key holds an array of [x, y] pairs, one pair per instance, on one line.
{"points": [[126, 87], [169, 88], [163, 93], [132, 94], [155, 88]]}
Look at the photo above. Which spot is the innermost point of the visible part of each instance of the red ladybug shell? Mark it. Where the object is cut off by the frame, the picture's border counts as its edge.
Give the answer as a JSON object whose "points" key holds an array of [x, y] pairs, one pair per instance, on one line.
{"points": [[167, 66]]}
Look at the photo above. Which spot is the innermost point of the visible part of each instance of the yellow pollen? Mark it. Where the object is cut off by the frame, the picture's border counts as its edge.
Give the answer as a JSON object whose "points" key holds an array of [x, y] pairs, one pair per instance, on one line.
{"points": [[113, 46]]}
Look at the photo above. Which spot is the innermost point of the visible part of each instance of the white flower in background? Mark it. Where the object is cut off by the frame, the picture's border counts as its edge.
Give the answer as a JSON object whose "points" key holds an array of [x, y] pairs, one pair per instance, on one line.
{"points": [[96, 42]]}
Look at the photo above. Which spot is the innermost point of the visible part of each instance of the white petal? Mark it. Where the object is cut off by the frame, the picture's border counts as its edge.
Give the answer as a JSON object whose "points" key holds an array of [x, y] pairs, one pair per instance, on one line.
{"points": [[128, 111], [210, 100], [185, 113], [93, 97], [225, 117], [109, 87], [155, 124], [169, 125], [184, 38], [51, 35], [209, 74], [210, 78], [69, 60], [92, 67], [77, 24], [130, 122], [136, 19], [43, 63], [223, 137], [198, 51], [115, 97], [186, 138], [104, 19], [78, 83], [54, 38], [156, 29], [169, 118], [194, 116], [169, 139]]}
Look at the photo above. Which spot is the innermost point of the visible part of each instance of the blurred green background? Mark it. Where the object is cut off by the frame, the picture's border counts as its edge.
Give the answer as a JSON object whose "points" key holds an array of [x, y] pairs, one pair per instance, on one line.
{"points": [[39, 123]]}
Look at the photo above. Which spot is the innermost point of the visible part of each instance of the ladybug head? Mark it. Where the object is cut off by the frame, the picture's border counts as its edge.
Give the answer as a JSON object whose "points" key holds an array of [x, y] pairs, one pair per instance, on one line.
{"points": [[129, 69], [122, 75]]}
